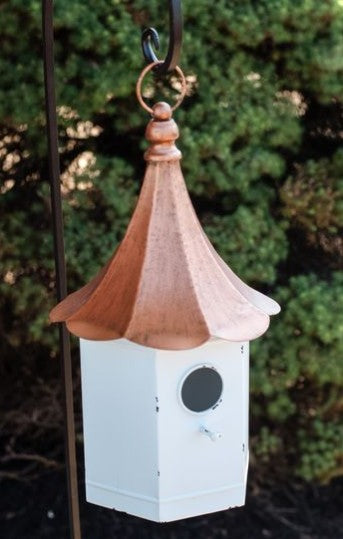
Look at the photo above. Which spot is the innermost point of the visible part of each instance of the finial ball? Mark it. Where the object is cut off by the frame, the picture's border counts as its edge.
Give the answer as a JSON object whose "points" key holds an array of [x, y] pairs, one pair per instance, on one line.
{"points": [[162, 111]]}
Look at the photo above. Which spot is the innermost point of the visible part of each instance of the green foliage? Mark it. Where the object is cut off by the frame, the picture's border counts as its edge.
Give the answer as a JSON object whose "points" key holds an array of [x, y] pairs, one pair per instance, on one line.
{"points": [[312, 313], [314, 196], [298, 375], [322, 452], [267, 444], [313, 200], [260, 135], [236, 235]]}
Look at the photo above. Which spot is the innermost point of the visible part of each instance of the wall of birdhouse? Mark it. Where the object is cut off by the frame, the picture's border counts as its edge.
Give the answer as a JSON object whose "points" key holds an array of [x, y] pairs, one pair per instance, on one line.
{"points": [[149, 451]]}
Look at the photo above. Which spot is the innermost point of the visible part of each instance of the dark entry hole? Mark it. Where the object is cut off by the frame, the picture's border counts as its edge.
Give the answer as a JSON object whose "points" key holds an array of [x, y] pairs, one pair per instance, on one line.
{"points": [[201, 389]]}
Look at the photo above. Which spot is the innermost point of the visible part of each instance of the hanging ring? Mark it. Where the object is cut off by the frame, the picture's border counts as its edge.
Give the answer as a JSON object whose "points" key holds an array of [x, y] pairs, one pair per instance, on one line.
{"points": [[140, 81], [150, 36]]}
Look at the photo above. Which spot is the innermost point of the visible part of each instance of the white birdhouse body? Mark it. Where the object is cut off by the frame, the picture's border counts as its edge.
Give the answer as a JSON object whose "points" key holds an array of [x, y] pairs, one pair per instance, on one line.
{"points": [[165, 432]]}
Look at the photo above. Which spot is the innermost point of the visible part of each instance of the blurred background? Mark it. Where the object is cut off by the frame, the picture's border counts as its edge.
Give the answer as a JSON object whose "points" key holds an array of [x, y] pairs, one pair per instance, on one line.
{"points": [[261, 136]]}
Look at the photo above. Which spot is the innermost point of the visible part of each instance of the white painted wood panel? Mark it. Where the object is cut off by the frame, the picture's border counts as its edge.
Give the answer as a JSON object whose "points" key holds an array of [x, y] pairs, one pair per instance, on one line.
{"points": [[144, 452]]}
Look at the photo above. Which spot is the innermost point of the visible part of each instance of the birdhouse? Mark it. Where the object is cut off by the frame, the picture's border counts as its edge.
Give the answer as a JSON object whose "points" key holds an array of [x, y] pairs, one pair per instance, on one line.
{"points": [[164, 330]]}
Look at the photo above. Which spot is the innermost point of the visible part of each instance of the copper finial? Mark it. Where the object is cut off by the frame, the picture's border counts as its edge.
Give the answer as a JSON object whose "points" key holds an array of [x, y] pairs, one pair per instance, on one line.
{"points": [[162, 132]]}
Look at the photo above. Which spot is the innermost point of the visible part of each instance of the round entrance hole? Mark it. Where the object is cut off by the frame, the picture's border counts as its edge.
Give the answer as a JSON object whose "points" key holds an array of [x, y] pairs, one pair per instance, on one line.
{"points": [[201, 389]]}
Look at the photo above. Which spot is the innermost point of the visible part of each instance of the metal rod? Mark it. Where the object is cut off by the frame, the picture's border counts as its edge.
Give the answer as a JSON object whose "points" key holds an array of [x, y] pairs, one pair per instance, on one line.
{"points": [[60, 268]]}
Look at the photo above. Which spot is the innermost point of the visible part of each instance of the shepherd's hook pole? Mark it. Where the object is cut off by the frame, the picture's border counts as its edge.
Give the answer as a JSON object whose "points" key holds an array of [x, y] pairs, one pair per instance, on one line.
{"points": [[61, 281]]}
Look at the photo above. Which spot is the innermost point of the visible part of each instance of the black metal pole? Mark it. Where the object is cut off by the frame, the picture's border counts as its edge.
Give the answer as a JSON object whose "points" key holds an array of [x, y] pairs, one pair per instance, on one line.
{"points": [[61, 281]]}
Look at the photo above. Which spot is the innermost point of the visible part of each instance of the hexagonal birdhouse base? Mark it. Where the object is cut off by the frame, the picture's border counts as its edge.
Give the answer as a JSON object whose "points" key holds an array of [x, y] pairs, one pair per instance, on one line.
{"points": [[165, 432]]}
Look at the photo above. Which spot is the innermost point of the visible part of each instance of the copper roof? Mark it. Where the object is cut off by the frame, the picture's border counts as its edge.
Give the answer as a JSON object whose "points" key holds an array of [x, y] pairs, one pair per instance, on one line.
{"points": [[165, 286]]}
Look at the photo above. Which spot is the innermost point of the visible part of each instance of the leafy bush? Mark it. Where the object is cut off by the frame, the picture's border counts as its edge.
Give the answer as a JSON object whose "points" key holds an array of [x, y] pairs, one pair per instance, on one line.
{"points": [[260, 135]]}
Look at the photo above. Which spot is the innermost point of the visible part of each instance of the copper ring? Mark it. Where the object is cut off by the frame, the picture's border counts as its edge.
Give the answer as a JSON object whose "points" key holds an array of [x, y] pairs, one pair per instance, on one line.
{"points": [[140, 80]]}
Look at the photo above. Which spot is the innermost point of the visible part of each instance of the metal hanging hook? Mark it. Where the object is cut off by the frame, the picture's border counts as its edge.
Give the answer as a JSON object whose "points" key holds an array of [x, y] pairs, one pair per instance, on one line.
{"points": [[150, 37]]}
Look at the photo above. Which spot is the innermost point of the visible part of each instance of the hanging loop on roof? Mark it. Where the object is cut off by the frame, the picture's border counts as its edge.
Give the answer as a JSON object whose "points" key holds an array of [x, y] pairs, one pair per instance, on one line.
{"points": [[150, 37], [183, 84]]}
